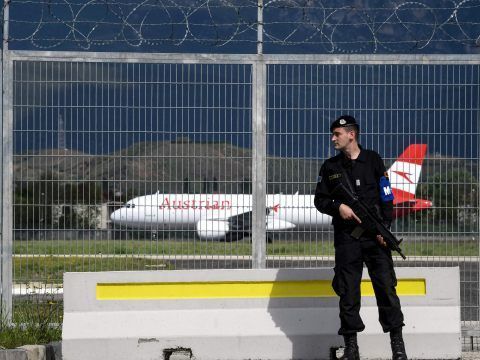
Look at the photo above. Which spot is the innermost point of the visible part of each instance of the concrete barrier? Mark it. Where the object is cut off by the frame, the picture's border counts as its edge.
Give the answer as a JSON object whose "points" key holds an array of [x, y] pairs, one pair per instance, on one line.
{"points": [[51, 351], [248, 314], [13, 354]]}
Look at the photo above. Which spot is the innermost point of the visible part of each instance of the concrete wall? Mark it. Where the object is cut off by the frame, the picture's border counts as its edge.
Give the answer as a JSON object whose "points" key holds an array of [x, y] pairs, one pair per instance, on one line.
{"points": [[248, 314]]}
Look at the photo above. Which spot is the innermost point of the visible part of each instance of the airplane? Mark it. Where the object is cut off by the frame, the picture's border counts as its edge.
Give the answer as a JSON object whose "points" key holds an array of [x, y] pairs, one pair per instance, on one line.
{"points": [[228, 217]]}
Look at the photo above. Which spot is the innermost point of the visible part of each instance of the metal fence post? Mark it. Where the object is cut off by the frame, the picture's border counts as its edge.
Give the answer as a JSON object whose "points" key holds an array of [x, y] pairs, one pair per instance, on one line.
{"points": [[7, 174], [478, 195], [260, 27], [259, 168]]}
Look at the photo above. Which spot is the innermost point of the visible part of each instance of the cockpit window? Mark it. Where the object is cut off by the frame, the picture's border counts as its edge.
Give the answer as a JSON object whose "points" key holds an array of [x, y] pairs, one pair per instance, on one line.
{"points": [[129, 206]]}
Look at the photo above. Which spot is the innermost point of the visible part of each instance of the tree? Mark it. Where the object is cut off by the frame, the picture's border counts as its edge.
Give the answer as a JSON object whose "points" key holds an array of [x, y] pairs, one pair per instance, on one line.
{"points": [[49, 203], [454, 195], [34, 203]]}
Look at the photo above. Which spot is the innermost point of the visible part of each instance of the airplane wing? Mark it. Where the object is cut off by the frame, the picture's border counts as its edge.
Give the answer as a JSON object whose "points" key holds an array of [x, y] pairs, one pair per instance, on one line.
{"points": [[237, 226]]}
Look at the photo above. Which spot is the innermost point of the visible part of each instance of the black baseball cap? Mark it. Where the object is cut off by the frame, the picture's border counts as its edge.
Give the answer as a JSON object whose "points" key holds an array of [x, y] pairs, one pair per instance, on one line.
{"points": [[344, 121]]}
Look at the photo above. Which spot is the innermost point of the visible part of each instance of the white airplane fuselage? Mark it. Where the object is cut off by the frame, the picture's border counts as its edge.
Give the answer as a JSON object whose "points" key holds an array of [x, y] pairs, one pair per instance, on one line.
{"points": [[229, 216], [183, 210]]}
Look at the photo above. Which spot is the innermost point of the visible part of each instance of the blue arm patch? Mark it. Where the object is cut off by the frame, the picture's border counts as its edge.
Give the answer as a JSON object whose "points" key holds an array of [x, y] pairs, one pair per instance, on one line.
{"points": [[386, 192]]}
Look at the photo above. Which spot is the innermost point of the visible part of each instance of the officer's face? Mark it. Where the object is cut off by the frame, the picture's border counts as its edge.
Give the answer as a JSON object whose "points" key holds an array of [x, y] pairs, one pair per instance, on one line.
{"points": [[341, 138]]}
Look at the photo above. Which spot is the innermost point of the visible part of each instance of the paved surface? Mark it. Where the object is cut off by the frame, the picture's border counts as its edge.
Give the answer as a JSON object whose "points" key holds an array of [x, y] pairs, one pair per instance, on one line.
{"points": [[470, 355]]}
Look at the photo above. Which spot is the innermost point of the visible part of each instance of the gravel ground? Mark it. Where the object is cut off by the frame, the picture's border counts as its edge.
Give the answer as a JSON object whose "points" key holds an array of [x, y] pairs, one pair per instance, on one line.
{"points": [[470, 355]]}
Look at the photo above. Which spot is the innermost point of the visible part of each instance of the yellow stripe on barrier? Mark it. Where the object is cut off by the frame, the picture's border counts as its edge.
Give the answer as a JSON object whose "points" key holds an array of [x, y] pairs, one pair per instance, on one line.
{"points": [[405, 287], [240, 289]]}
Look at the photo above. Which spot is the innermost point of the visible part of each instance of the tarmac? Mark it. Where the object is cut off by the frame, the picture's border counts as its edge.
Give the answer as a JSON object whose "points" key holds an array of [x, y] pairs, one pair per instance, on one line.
{"points": [[470, 355]]}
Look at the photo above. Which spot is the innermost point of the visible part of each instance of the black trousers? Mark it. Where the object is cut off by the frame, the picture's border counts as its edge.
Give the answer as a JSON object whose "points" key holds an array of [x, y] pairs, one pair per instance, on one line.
{"points": [[350, 254]]}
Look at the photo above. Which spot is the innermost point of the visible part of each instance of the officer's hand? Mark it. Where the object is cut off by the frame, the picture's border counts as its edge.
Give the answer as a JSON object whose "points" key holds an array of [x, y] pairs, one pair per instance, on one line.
{"points": [[381, 241], [347, 213]]}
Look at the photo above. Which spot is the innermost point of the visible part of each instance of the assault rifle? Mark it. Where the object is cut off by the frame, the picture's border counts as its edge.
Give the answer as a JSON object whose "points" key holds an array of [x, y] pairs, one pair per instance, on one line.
{"points": [[371, 221]]}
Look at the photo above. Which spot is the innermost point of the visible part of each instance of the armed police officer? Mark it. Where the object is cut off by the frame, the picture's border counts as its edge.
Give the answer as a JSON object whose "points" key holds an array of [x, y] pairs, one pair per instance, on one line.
{"points": [[363, 172]]}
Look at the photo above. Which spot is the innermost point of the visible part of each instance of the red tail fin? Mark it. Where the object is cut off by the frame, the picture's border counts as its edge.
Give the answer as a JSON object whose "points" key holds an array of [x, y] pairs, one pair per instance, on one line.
{"points": [[405, 172], [404, 176]]}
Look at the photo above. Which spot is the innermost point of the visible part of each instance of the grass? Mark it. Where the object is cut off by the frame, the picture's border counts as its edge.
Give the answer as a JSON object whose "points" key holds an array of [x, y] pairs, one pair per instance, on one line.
{"points": [[131, 247], [36, 320], [100, 249], [49, 269], [441, 248], [46, 261]]}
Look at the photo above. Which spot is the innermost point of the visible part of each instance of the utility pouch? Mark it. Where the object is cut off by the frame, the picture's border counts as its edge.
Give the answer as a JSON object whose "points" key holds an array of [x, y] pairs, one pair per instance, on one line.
{"points": [[357, 232]]}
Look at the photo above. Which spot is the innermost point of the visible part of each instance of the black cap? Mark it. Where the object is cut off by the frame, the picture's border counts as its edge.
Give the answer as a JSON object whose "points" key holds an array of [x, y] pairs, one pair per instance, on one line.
{"points": [[344, 121]]}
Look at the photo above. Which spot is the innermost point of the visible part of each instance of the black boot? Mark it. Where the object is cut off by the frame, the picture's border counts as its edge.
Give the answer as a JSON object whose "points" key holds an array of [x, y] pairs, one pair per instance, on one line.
{"points": [[398, 346], [351, 348]]}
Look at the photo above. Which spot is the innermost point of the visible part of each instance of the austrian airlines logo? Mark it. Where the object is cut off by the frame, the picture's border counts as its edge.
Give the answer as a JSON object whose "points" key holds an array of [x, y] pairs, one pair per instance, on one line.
{"points": [[404, 175], [275, 208], [208, 204]]}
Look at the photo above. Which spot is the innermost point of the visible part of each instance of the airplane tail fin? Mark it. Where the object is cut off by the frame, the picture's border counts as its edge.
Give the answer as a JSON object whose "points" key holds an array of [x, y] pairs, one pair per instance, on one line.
{"points": [[404, 175]]}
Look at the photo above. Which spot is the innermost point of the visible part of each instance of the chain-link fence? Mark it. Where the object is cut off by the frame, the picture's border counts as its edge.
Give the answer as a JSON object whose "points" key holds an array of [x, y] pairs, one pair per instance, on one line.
{"points": [[398, 105], [144, 161], [137, 165]]}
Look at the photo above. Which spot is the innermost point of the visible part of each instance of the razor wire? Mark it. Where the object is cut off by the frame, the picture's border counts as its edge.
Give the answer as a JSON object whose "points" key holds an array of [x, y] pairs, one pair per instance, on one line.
{"points": [[298, 26]]}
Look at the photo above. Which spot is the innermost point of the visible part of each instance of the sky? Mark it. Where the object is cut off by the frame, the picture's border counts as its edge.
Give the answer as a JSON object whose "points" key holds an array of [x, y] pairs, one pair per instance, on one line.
{"points": [[107, 107]]}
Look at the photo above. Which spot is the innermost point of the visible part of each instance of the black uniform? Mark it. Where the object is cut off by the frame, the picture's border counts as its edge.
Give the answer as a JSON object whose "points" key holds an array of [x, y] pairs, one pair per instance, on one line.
{"points": [[364, 175]]}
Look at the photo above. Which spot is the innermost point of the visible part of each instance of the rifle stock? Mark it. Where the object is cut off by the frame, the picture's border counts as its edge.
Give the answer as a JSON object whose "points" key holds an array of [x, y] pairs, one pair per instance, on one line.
{"points": [[370, 219]]}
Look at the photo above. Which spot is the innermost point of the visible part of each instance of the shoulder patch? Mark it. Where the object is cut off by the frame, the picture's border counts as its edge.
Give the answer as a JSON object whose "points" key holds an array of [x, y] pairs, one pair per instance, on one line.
{"points": [[386, 192], [319, 178], [334, 176]]}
